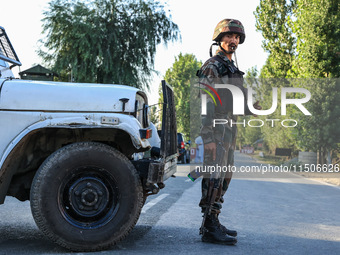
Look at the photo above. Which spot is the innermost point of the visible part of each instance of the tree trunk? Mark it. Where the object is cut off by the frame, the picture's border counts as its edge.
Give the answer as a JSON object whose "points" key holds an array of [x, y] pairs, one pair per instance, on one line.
{"points": [[322, 153]]}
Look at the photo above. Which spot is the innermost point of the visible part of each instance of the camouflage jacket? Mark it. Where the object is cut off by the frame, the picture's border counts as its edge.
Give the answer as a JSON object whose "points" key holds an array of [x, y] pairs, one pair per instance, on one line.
{"points": [[214, 71]]}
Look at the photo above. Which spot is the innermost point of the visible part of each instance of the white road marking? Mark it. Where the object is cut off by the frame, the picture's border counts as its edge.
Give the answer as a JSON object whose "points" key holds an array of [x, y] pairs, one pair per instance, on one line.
{"points": [[154, 201]]}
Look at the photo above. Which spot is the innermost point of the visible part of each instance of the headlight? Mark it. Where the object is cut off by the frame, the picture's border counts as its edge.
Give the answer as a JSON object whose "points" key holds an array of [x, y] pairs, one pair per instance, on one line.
{"points": [[142, 111]]}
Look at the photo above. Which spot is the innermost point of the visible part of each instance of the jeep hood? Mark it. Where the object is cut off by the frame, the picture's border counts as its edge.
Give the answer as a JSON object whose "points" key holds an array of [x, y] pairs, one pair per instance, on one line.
{"points": [[62, 96]]}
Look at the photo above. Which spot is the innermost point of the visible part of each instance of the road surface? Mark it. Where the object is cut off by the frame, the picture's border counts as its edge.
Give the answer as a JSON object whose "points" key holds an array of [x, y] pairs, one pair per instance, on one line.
{"points": [[273, 215]]}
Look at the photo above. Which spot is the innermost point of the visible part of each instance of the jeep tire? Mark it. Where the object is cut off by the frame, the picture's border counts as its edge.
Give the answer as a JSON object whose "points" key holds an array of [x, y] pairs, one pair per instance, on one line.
{"points": [[86, 196]]}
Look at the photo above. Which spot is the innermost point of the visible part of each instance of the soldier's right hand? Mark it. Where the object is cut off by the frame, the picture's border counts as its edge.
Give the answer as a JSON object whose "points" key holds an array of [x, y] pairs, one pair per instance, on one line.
{"points": [[210, 148]]}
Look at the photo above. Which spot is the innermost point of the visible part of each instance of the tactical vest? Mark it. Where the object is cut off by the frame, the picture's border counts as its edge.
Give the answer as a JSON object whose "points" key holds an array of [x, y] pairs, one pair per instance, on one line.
{"points": [[235, 77]]}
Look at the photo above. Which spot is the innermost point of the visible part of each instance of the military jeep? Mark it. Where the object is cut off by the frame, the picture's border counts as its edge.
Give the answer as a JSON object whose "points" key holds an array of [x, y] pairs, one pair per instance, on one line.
{"points": [[85, 155]]}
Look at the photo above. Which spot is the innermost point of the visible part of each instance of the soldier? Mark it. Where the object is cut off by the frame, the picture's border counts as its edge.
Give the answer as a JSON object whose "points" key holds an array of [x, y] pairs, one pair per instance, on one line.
{"points": [[228, 34]]}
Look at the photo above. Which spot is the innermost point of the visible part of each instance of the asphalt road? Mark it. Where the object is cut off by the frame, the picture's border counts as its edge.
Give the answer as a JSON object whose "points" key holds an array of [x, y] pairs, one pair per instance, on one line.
{"points": [[281, 214]]}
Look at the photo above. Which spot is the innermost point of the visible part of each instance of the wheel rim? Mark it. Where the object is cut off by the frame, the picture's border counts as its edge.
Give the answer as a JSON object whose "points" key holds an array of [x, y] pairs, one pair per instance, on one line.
{"points": [[89, 197]]}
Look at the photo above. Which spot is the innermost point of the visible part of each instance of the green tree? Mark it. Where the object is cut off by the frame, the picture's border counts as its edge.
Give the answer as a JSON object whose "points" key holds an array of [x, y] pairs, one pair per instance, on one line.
{"points": [[106, 41], [307, 33], [317, 28], [245, 134], [274, 20], [154, 116], [180, 76], [320, 131]]}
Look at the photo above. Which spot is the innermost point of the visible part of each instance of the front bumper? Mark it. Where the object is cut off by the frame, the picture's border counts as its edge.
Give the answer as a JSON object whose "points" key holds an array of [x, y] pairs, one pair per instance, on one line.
{"points": [[157, 170]]}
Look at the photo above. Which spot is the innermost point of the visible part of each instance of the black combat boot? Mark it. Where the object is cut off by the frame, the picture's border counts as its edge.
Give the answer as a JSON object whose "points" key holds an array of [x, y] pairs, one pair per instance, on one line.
{"points": [[214, 234], [226, 231]]}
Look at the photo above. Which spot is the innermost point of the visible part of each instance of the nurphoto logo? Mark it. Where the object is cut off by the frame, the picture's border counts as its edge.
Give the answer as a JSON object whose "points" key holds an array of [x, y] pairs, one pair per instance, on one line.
{"points": [[238, 105]]}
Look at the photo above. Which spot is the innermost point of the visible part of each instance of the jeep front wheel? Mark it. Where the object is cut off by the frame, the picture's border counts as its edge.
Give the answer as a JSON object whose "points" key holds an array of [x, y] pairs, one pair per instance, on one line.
{"points": [[86, 196]]}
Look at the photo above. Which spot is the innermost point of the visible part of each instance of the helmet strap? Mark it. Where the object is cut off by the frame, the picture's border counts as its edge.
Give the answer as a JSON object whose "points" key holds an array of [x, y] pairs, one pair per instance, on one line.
{"points": [[210, 50], [219, 44]]}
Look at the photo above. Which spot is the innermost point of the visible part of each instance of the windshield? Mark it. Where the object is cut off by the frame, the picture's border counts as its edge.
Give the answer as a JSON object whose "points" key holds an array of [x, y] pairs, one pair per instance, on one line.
{"points": [[7, 52], [2, 63]]}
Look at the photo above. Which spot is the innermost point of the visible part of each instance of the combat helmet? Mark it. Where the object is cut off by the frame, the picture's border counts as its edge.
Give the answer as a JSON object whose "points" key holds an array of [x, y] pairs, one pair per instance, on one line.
{"points": [[229, 26]]}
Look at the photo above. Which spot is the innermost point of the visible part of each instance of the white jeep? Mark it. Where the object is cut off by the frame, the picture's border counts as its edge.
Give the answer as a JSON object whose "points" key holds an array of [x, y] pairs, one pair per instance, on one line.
{"points": [[74, 150]]}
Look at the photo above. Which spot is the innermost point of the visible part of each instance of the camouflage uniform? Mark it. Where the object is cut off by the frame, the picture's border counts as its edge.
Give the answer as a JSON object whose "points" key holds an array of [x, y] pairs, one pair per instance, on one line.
{"points": [[215, 72]]}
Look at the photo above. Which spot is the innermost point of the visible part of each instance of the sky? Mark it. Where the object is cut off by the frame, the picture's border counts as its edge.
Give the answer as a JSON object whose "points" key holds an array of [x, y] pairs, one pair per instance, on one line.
{"points": [[196, 20]]}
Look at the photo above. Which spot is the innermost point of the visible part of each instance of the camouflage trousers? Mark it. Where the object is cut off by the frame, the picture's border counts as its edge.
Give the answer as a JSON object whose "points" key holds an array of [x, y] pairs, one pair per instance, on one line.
{"points": [[229, 145]]}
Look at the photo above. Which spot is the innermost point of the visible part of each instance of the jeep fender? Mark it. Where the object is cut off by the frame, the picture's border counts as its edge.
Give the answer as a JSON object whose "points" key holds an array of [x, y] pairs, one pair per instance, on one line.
{"points": [[123, 122]]}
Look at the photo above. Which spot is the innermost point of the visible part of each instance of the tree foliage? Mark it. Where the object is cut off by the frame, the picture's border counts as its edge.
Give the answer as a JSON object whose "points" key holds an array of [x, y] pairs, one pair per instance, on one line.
{"points": [[274, 20], [320, 131], [317, 28], [106, 41], [248, 135], [180, 76], [302, 39]]}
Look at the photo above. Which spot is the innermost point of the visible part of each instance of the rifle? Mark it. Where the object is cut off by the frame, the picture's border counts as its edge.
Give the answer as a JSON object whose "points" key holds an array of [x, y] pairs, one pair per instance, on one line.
{"points": [[214, 184]]}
